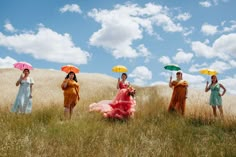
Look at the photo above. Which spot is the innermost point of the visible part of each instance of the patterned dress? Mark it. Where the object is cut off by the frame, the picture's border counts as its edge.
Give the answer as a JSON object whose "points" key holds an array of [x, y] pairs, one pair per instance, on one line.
{"points": [[178, 99], [215, 98], [23, 102]]}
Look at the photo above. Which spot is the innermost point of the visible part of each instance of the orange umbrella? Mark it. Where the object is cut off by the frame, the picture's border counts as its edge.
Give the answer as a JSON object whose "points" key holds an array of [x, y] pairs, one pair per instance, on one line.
{"points": [[69, 68]]}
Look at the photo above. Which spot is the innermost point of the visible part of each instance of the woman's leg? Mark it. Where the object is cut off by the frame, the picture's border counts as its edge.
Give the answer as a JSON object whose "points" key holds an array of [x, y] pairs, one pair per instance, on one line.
{"points": [[71, 111], [221, 110], [66, 113], [214, 110]]}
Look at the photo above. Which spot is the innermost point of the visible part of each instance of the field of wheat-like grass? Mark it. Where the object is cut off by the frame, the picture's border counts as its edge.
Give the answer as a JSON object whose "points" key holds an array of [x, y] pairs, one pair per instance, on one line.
{"points": [[152, 132]]}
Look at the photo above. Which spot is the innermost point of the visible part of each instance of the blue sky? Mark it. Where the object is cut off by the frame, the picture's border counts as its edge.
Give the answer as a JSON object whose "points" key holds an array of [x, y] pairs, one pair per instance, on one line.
{"points": [[142, 35]]}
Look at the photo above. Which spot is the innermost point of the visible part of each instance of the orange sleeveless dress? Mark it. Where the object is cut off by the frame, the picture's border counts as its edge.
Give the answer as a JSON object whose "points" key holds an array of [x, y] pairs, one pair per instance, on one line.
{"points": [[178, 99], [71, 93]]}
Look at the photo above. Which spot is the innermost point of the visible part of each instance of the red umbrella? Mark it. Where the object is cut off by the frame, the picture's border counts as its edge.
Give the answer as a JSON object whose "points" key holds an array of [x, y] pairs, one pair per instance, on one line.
{"points": [[69, 68], [23, 65]]}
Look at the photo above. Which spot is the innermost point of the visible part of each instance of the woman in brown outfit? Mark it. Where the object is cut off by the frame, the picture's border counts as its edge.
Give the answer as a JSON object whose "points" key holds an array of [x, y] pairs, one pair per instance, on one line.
{"points": [[71, 94], [179, 95]]}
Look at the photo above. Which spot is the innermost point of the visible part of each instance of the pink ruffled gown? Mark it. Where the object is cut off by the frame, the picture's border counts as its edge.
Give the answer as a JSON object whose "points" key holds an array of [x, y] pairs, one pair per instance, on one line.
{"points": [[121, 107]]}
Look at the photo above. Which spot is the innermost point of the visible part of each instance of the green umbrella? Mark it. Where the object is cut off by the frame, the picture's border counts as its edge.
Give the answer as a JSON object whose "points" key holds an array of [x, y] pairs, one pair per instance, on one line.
{"points": [[172, 67]]}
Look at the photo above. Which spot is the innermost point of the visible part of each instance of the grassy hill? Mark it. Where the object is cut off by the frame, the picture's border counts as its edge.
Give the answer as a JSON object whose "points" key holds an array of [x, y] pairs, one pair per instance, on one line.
{"points": [[153, 131]]}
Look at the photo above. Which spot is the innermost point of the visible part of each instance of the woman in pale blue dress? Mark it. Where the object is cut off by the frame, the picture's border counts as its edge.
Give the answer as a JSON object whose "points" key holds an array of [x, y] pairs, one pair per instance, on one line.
{"points": [[23, 102], [215, 97]]}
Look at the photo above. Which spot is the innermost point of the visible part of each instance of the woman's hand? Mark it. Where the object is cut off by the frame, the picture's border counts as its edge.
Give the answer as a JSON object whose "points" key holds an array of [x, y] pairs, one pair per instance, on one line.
{"points": [[65, 83], [221, 94], [170, 84]]}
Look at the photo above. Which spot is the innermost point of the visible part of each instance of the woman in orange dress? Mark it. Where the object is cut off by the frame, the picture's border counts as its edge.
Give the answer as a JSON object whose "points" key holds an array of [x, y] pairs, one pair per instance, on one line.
{"points": [[179, 95], [71, 88]]}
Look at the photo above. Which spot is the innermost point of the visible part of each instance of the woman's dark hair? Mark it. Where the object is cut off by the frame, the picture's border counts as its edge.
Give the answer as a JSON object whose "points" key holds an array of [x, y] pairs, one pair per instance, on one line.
{"points": [[212, 78], [67, 76], [26, 70], [125, 75]]}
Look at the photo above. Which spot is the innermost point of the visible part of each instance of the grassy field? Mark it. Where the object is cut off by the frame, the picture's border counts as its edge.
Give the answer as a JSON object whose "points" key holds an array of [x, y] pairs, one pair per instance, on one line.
{"points": [[152, 132]]}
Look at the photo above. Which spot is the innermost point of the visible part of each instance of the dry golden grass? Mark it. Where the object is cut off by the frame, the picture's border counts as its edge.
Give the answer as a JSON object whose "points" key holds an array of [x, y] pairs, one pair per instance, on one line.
{"points": [[152, 132]]}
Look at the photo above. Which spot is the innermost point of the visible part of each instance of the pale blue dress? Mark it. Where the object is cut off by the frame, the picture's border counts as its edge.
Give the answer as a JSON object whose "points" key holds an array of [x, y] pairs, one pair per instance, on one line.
{"points": [[215, 98], [23, 102]]}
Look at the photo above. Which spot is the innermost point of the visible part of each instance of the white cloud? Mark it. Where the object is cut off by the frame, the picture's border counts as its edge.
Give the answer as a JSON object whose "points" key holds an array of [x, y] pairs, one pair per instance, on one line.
{"points": [[71, 8], [159, 83], [7, 62], [205, 4], [167, 74], [141, 75], [231, 28], [118, 35], [208, 29], [215, 2], [224, 47], [202, 49], [165, 60], [197, 67], [46, 44], [167, 24], [143, 51], [232, 63], [183, 17], [188, 32], [207, 41], [9, 27], [182, 57], [220, 66], [229, 83], [195, 81], [209, 3]]}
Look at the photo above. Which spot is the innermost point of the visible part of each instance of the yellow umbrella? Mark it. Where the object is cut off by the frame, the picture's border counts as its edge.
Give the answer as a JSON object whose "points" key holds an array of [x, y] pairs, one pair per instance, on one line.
{"points": [[208, 72], [119, 69]]}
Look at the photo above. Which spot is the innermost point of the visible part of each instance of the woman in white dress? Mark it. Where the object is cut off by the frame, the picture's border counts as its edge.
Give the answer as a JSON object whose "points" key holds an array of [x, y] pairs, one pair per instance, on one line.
{"points": [[23, 102]]}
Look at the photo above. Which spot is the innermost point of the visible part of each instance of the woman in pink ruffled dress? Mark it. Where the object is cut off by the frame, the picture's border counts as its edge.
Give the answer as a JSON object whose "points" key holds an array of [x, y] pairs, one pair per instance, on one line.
{"points": [[121, 107], [123, 83]]}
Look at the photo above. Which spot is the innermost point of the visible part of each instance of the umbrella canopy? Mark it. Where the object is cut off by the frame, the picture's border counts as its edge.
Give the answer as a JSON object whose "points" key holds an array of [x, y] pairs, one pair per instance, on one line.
{"points": [[172, 67], [208, 72], [23, 65], [119, 69], [69, 68]]}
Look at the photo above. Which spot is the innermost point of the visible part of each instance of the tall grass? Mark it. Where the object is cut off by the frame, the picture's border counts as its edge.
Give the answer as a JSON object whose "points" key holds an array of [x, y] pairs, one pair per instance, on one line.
{"points": [[152, 131]]}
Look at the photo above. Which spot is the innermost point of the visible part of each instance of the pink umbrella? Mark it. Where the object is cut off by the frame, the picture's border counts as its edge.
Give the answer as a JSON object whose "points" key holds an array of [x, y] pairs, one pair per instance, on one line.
{"points": [[23, 65]]}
